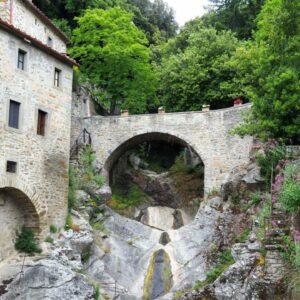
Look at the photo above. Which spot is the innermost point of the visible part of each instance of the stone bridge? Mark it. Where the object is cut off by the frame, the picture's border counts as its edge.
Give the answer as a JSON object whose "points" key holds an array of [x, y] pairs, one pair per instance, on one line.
{"points": [[206, 133]]}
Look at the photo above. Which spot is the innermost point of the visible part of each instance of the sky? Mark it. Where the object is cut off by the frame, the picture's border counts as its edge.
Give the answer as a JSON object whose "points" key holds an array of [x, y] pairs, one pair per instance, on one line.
{"points": [[186, 10]]}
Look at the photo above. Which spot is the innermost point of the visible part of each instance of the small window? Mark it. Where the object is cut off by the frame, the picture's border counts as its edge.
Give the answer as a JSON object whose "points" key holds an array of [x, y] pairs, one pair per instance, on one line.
{"points": [[41, 124], [11, 166], [57, 77], [14, 114], [49, 42], [21, 59]]}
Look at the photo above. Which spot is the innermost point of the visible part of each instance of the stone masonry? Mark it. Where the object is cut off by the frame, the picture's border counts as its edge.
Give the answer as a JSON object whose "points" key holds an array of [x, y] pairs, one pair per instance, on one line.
{"points": [[207, 133], [36, 194]]}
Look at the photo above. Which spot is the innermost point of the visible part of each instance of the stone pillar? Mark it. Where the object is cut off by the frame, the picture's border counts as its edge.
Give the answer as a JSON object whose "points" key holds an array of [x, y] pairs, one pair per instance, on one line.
{"points": [[125, 113], [161, 110]]}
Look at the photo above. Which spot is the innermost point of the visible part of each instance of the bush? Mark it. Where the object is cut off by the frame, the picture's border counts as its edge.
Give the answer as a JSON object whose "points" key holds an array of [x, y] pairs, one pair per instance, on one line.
{"points": [[26, 242], [69, 222], [49, 240], [72, 189], [289, 195], [268, 161], [53, 228]]}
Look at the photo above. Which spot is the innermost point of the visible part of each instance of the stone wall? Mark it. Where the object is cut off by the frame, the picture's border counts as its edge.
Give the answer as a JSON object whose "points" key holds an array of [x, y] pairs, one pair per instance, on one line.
{"points": [[25, 20], [42, 161], [207, 133]]}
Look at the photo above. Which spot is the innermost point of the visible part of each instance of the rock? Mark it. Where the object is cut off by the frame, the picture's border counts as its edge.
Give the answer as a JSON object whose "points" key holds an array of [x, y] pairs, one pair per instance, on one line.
{"points": [[215, 202], [241, 179], [178, 220], [104, 193], [164, 238], [82, 196], [160, 217], [158, 186], [158, 279], [48, 279]]}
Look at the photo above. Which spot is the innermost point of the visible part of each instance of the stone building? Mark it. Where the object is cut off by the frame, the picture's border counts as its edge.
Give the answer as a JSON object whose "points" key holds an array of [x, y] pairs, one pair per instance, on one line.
{"points": [[35, 108]]}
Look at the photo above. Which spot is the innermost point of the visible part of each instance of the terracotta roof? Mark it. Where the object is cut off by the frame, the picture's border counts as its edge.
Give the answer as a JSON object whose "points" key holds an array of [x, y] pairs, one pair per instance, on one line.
{"points": [[17, 32], [46, 20]]}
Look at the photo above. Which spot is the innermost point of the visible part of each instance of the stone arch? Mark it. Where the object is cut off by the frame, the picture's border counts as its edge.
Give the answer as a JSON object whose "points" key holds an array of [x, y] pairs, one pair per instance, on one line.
{"points": [[137, 139], [33, 199]]}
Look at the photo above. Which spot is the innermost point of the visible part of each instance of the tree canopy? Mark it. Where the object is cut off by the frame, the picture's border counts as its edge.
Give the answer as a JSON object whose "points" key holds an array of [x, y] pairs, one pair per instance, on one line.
{"points": [[269, 73], [194, 69], [115, 59]]}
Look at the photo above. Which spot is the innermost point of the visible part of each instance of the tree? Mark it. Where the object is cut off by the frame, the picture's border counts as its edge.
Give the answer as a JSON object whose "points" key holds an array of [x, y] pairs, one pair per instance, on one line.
{"points": [[194, 69], [236, 15], [114, 60], [155, 18], [269, 69]]}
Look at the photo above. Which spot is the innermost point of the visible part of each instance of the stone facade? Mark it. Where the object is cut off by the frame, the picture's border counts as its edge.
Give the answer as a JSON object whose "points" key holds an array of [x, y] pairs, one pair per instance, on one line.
{"points": [[207, 133], [24, 15], [42, 160]]}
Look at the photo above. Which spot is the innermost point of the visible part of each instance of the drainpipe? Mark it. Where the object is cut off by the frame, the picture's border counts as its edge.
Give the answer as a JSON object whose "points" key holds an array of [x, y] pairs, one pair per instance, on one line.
{"points": [[11, 11]]}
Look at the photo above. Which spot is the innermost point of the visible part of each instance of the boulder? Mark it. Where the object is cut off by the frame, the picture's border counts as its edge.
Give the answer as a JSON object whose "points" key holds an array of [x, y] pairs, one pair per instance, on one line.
{"points": [[48, 279], [241, 179]]}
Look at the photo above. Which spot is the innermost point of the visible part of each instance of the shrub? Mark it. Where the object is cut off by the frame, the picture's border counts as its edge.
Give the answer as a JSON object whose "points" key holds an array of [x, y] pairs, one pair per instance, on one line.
{"points": [[53, 228], [49, 240], [255, 198], [270, 159], [72, 189], [26, 242], [69, 222], [85, 255], [97, 292], [289, 195]]}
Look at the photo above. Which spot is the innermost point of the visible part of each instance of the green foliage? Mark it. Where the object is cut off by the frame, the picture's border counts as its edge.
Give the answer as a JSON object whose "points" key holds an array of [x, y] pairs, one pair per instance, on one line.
{"points": [[269, 161], [85, 255], [53, 228], [123, 199], [69, 222], [194, 69], [243, 237], [72, 189], [255, 198], [97, 292], [114, 59], [236, 15], [87, 173], [289, 195], [49, 240], [291, 251], [225, 259], [26, 242], [262, 218], [268, 70]]}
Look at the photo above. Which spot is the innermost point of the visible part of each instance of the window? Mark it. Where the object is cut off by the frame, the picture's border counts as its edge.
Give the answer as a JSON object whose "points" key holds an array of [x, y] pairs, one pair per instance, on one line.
{"points": [[57, 77], [14, 114], [41, 124], [49, 42], [21, 59], [11, 166]]}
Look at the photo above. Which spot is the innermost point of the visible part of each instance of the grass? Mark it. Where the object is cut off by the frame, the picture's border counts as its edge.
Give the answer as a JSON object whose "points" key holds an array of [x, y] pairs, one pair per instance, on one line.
{"points": [[49, 240], [243, 237], [262, 219], [225, 260], [121, 200]]}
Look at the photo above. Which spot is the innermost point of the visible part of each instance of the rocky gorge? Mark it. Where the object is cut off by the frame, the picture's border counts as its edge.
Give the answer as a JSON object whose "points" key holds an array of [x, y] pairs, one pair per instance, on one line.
{"points": [[163, 246]]}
